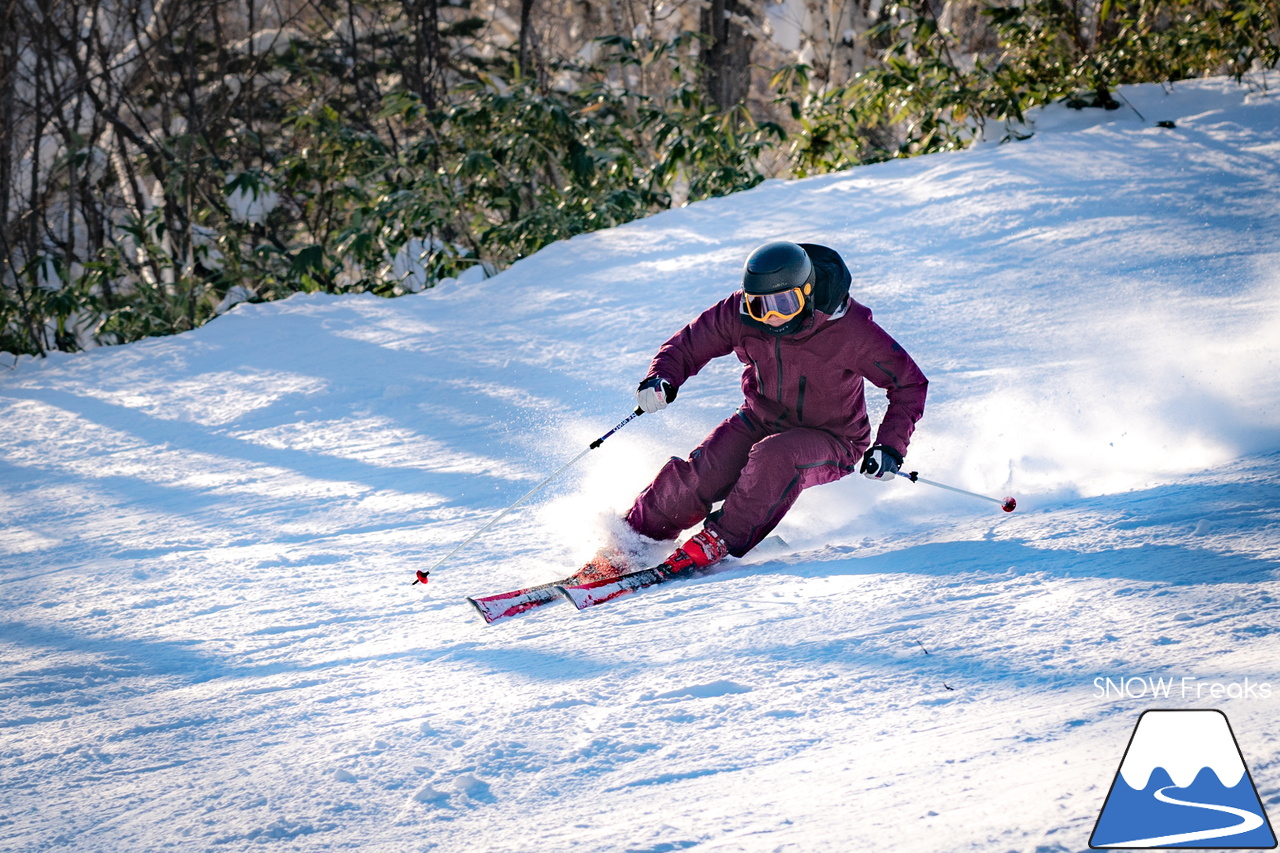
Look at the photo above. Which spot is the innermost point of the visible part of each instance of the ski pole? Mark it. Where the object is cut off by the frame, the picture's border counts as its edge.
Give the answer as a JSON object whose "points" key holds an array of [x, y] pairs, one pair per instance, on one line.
{"points": [[1008, 504], [422, 576]]}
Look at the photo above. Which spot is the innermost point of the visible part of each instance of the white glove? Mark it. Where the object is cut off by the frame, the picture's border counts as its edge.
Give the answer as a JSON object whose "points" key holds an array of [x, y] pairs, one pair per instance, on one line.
{"points": [[654, 393]]}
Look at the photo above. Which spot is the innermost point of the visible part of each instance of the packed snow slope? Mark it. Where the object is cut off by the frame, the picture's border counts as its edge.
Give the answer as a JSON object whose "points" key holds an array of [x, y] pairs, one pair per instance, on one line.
{"points": [[210, 641]]}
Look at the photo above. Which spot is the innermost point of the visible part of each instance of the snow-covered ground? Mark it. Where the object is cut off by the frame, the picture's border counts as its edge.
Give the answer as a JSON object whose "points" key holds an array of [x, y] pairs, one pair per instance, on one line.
{"points": [[209, 640]]}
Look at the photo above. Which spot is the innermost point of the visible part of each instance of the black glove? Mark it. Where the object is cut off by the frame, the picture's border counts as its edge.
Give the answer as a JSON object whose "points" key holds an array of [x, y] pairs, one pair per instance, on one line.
{"points": [[654, 393], [881, 463]]}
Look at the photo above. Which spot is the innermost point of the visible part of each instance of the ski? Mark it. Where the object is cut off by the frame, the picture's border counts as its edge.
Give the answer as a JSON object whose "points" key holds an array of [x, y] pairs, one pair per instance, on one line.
{"points": [[505, 605], [591, 593], [586, 594]]}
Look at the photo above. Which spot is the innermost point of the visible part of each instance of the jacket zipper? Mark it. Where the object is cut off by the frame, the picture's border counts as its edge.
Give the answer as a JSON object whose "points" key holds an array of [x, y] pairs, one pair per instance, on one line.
{"points": [[777, 348], [804, 381]]}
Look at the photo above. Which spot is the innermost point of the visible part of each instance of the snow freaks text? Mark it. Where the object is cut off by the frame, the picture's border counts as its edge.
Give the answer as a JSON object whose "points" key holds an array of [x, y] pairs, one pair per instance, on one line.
{"points": [[1184, 687]]}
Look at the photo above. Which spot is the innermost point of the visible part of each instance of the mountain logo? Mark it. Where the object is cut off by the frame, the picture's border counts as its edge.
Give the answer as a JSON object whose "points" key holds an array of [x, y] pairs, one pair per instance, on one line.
{"points": [[1183, 783]]}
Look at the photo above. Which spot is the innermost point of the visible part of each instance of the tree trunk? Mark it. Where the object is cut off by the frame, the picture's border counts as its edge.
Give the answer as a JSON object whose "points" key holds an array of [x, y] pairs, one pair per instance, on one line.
{"points": [[425, 73], [526, 37], [8, 128], [726, 56]]}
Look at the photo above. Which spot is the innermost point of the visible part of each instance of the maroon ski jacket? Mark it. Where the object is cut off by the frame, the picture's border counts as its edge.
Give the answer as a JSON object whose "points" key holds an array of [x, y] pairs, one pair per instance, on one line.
{"points": [[813, 378]]}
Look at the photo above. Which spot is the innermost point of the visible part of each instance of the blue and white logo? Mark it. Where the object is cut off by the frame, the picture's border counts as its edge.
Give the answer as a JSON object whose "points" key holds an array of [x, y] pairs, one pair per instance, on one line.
{"points": [[1183, 783]]}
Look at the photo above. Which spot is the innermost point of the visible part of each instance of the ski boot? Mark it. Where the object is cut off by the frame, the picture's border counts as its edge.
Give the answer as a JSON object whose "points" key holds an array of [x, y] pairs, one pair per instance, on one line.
{"points": [[701, 551]]}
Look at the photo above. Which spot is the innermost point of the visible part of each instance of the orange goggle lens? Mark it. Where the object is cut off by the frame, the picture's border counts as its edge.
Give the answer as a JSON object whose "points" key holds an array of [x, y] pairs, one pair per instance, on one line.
{"points": [[784, 305]]}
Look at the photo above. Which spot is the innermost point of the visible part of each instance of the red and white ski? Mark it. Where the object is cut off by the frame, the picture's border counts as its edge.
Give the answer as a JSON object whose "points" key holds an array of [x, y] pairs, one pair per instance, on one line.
{"points": [[590, 593], [586, 594], [504, 605]]}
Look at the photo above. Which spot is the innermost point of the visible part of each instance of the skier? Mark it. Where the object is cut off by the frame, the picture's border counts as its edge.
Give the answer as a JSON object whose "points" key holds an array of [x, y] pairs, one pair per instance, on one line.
{"points": [[807, 346]]}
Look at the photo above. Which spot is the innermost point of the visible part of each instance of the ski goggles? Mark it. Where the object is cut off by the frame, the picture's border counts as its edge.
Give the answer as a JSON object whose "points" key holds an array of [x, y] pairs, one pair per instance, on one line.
{"points": [[783, 305]]}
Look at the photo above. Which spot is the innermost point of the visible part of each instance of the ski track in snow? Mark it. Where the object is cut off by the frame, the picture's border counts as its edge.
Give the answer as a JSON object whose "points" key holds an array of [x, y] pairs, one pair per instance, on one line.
{"points": [[209, 640]]}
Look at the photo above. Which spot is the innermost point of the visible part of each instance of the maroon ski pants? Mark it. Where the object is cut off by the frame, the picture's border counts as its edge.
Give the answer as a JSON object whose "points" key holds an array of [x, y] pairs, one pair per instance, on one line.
{"points": [[758, 473]]}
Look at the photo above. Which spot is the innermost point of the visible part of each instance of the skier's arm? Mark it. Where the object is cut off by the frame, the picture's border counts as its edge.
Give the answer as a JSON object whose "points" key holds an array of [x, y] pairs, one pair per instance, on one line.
{"points": [[709, 336], [889, 366]]}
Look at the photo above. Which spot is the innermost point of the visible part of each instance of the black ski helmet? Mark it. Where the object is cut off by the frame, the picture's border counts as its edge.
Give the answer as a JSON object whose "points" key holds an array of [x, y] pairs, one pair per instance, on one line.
{"points": [[773, 268]]}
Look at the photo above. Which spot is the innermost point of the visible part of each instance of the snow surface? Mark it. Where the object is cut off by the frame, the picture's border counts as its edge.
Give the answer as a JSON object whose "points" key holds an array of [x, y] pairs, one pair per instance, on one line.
{"points": [[210, 641]]}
